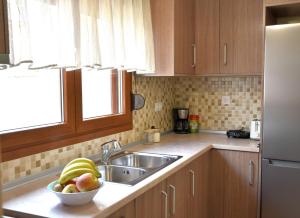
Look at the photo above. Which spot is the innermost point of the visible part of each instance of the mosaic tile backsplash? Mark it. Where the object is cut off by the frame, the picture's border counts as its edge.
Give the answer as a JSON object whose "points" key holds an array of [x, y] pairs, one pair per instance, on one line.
{"points": [[201, 94]]}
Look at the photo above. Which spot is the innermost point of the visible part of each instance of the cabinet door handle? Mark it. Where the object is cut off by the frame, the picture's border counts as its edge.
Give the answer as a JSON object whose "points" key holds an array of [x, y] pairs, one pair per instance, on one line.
{"points": [[225, 54], [193, 182], [251, 172], [194, 55], [166, 203], [173, 199]]}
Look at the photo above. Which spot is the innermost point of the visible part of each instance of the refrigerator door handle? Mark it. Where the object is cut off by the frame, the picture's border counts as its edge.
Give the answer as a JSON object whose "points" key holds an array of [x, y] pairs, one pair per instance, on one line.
{"points": [[251, 172], [285, 164]]}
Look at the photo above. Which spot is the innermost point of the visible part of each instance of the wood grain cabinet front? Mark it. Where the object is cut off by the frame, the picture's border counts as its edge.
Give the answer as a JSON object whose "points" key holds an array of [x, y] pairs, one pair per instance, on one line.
{"points": [[153, 203], [173, 23], [229, 37], [127, 211], [233, 184]]}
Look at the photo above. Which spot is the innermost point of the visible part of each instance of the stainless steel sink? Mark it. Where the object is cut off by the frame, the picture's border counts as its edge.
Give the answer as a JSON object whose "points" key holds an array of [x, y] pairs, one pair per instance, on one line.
{"points": [[120, 174], [131, 168], [143, 160]]}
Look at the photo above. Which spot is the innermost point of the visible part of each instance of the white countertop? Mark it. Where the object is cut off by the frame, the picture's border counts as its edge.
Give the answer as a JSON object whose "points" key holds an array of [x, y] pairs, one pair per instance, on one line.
{"points": [[33, 197]]}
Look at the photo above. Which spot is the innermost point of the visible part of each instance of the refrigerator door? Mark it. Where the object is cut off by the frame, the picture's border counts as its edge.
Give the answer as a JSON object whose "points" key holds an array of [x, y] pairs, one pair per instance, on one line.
{"points": [[281, 124], [280, 189]]}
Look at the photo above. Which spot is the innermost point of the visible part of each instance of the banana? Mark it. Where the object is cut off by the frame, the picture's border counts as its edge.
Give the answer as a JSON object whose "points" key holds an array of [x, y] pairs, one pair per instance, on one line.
{"points": [[78, 166], [64, 178], [85, 160]]}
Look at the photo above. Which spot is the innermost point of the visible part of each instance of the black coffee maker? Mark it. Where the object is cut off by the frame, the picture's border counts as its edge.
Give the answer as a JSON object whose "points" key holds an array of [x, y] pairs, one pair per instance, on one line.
{"points": [[181, 122]]}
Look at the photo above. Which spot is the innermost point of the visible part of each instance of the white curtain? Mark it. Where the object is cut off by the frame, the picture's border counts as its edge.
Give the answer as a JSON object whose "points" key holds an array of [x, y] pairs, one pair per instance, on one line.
{"points": [[106, 33]]}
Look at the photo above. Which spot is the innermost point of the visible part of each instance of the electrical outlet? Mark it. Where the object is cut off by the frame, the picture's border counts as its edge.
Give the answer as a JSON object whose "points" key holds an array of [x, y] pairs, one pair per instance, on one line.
{"points": [[225, 100], [158, 106]]}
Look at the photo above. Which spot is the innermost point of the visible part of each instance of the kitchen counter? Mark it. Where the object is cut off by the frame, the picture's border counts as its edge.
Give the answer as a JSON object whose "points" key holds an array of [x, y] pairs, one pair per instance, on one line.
{"points": [[33, 198]]}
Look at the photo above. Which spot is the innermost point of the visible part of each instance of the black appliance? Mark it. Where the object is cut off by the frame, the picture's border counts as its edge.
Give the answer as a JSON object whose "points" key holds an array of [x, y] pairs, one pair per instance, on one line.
{"points": [[181, 121]]}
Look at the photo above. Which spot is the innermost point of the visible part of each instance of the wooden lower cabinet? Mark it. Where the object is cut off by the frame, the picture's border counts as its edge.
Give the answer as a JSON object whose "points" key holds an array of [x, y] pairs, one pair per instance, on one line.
{"points": [[197, 206], [182, 195], [218, 184], [153, 203], [127, 211], [178, 193], [233, 186]]}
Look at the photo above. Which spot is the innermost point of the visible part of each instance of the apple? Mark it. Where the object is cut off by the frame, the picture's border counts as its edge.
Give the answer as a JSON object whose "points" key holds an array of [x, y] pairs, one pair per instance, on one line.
{"points": [[87, 182], [71, 188]]}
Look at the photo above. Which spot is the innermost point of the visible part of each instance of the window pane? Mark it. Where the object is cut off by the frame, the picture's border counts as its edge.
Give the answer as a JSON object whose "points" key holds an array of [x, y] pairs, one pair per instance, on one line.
{"points": [[100, 93], [30, 98]]}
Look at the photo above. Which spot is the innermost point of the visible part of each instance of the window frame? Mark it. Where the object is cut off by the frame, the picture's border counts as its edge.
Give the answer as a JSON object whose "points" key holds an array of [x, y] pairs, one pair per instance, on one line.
{"points": [[107, 121], [74, 129]]}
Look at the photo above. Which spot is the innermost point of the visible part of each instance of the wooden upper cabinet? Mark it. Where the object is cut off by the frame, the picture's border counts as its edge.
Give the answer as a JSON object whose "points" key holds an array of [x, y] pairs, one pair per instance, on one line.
{"points": [[3, 38], [207, 37], [241, 37], [173, 23], [229, 37]]}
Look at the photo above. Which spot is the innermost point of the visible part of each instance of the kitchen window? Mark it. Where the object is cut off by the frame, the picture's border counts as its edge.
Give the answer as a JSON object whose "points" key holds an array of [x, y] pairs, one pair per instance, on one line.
{"points": [[67, 80], [42, 110]]}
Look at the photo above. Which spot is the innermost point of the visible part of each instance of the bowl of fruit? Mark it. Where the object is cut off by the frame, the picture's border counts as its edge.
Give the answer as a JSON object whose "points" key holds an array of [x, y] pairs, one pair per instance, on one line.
{"points": [[78, 182]]}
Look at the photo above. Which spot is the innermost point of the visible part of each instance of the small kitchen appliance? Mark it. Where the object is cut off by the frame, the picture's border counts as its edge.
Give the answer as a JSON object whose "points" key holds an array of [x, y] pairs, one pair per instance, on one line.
{"points": [[181, 122], [255, 129]]}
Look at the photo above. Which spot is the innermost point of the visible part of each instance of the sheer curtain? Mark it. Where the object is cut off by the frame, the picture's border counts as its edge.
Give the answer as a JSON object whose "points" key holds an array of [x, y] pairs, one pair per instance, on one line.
{"points": [[105, 33]]}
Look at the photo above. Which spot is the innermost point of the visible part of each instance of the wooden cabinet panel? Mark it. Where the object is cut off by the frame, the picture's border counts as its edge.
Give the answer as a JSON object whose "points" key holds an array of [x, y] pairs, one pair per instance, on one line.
{"points": [[152, 203], [173, 23], [241, 37], [198, 188], [162, 12], [240, 193], [184, 34], [233, 191], [207, 37], [3, 47], [127, 211], [178, 187]]}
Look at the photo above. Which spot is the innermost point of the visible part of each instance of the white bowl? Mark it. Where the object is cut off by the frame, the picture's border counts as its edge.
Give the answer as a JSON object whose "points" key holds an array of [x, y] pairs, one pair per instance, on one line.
{"points": [[79, 198]]}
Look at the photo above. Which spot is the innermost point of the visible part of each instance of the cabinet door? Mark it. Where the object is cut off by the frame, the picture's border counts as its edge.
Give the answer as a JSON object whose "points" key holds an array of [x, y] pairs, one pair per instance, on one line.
{"points": [[207, 37], [241, 37], [233, 184], [127, 211], [184, 27], [198, 188], [162, 12], [241, 184], [153, 203], [3, 49], [178, 191]]}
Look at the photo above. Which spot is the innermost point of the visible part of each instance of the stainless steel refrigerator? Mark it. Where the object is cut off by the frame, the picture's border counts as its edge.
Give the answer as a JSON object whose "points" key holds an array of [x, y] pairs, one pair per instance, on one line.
{"points": [[281, 123]]}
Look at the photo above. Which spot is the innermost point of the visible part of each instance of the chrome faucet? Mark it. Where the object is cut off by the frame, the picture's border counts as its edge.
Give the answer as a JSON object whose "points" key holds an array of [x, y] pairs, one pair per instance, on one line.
{"points": [[109, 149]]}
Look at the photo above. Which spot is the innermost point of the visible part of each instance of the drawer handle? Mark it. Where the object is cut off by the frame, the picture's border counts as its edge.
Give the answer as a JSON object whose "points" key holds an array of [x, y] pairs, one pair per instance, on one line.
{"points": [[225, 54], [251, 172], [172, 187], [193, 182], [194, 55], [166, 203]]}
